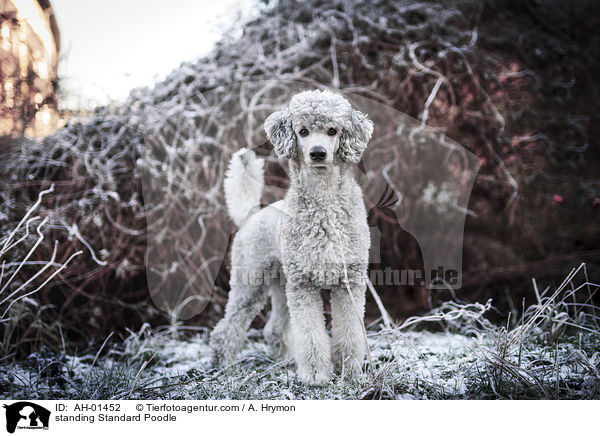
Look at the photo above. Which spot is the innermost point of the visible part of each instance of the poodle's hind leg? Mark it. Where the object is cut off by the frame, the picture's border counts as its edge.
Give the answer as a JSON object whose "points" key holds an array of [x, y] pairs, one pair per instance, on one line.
{"points": [[277, 329], [346, 329], [228, 337], [312, 348]]}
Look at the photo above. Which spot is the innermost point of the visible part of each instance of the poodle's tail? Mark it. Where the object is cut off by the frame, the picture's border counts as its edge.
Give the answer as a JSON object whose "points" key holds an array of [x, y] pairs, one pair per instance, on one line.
{"points": [[243, 185]]}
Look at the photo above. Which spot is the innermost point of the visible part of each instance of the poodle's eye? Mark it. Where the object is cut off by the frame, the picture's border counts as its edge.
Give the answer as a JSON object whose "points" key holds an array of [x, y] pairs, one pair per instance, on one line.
{"points": [[303, 132], [332, 131]]}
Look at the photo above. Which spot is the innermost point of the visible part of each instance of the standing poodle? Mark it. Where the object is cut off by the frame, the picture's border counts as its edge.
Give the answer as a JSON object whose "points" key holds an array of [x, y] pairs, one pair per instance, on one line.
{"points": [[318, 234]]}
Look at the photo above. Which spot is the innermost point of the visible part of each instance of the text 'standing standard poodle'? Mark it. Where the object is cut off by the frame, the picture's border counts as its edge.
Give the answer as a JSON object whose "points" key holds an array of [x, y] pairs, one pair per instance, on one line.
{"points": [[318, 235]]}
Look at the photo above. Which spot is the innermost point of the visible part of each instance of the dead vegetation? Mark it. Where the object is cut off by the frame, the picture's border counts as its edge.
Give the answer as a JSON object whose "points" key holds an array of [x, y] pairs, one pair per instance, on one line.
{"points": [[550, 352], [513, 82]]}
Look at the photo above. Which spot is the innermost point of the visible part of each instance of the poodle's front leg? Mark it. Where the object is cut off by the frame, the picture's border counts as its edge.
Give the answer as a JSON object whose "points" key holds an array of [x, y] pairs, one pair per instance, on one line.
{"points": [[311, 342], [346, 322]]}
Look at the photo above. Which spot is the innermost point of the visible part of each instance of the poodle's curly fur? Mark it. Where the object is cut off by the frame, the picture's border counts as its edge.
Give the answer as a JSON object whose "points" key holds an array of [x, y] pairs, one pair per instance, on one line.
{"points": [[304, 235]]}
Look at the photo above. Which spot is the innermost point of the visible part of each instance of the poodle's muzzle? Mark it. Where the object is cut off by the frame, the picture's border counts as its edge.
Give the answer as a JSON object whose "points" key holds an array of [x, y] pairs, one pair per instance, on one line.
{"points": [[318, 154], [318, 148]]}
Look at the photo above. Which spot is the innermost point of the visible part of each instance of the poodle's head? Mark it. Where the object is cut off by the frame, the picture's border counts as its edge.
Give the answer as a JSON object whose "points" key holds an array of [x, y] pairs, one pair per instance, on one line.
{"points": [[317, 126]]}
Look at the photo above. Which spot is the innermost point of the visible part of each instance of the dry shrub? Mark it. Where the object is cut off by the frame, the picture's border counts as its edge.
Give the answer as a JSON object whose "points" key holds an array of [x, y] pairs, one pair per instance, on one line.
{"points": [[22, 324]]}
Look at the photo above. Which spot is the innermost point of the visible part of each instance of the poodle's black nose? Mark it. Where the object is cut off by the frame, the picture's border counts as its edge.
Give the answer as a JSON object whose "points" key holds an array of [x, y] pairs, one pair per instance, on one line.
{"points": [[318, 154]]}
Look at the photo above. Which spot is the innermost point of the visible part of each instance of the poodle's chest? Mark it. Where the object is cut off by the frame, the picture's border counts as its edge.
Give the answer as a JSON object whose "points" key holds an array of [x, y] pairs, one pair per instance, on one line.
{"points": [[316, 242]]}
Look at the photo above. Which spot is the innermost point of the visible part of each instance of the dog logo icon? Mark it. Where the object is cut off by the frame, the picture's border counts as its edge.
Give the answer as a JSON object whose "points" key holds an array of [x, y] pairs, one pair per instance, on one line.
{"points": [[26, 415]]}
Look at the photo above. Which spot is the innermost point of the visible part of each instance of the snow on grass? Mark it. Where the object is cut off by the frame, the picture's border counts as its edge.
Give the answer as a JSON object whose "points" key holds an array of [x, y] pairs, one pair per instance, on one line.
{"points": [[408, 365], [552, 352]]}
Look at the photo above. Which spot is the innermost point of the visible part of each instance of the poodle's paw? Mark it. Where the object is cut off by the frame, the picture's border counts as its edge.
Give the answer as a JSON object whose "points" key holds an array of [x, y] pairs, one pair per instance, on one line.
{"points": [[217, 359], [222, 358], [219, 356], [350, 367], [314, 375], [222, 353]]}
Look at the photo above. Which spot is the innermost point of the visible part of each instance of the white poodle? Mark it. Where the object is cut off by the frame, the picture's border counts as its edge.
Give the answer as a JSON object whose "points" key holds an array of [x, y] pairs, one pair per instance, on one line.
{"points": [[318, 234]]}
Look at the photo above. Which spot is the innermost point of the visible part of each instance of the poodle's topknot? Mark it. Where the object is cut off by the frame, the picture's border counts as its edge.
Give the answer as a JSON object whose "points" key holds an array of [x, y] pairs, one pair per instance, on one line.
{"points": [[316, 103]]}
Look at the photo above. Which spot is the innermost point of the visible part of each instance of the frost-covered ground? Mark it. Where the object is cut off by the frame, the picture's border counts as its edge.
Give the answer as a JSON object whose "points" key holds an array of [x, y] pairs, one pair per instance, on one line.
{"points": [[170, 364]]}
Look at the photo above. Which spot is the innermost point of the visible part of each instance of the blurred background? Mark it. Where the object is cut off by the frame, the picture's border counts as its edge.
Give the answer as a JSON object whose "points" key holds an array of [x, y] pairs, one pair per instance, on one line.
{"points": [[99, 53], [98, 97]]}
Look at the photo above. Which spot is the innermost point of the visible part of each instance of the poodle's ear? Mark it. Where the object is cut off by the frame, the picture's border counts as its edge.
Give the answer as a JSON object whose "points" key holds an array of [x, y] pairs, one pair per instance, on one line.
{"points": [[281, 134], [354, 138]]}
